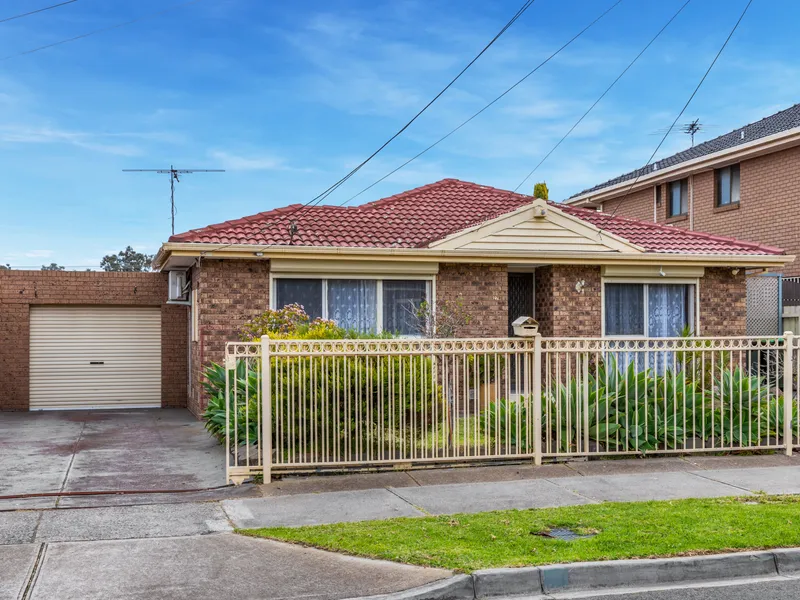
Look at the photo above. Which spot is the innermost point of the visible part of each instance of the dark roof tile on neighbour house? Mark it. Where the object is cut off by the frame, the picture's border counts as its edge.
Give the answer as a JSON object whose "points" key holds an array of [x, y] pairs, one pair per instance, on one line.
{"points": [[781, 121], [419, 217]]}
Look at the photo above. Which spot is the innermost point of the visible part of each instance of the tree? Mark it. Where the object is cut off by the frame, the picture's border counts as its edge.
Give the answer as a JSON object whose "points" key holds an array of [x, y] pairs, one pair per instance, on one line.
{"points": [[5, 267], [128, 260], [540, 191], [52, 267]]}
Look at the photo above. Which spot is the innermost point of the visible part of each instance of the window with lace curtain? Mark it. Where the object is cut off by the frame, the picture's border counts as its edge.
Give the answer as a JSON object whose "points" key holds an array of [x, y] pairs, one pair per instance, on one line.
{"points": [[648, 309], [364, 305]]}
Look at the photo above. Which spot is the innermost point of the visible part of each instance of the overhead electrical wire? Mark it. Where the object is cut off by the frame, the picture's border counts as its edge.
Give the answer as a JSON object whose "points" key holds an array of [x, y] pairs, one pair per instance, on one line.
{"points": [[685, 106], [608, 89], [38, 10], [322, 196], [101, 30], [487, 106]]}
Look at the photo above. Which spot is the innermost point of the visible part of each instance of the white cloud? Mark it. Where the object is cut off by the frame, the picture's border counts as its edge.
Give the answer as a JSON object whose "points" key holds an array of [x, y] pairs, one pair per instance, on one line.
{"points": [[48, 135], [256, 162]]}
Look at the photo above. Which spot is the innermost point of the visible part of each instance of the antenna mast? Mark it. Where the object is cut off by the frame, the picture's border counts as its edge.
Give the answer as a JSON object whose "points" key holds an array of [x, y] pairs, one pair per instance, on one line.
{"points": [[692, 128], [173, 178]]}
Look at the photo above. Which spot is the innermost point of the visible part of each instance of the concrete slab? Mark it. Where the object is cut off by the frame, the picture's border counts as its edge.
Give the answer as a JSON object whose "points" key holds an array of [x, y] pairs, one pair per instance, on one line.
{"points": [[316, 509], [290, 486], [630, 465], [16, 563], [480, 497], [158, 520], [240, 491], [27, 503], [777, 480], [487, 473], [646, 486], [18, 527], [200, 568], [107, 450]]}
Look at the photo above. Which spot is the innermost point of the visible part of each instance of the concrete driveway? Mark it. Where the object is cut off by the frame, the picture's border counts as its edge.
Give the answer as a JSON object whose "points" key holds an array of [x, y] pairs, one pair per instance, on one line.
{"points": [[79, 451]]}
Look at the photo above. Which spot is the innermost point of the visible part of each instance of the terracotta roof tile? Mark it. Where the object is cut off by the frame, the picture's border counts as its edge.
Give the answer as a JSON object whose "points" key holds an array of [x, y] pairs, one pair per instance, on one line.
{"points": [[418, 217]]}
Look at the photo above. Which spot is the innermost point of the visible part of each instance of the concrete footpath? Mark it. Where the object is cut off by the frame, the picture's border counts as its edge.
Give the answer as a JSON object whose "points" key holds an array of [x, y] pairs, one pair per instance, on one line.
{"points": [[311, 501], [183, 546]]}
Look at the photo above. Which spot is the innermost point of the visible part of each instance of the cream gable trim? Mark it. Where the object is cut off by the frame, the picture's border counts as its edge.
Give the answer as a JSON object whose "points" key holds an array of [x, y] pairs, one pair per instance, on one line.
{"points": [[522, 230]]}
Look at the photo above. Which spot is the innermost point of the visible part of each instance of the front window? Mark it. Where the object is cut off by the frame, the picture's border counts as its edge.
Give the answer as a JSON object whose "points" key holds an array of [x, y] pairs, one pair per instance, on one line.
{"points": [[678, 198], [728, 185], [648, 309], [363, 305]]}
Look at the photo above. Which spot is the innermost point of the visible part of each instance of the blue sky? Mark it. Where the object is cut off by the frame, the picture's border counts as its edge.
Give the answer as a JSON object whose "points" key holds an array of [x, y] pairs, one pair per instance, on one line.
{"points": [[287, 97]]}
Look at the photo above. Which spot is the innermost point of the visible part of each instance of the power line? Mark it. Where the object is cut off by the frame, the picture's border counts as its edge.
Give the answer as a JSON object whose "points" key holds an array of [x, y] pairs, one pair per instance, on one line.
{"points": [[38, 10], [101, 30], [319, 198], [685, 106], [608, 89], [444, 137], [335, 186]]}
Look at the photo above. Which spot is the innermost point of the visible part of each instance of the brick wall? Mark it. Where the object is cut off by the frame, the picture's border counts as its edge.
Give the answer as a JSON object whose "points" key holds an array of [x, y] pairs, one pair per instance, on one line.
{"points": [[229, 293], [21, 289], [562, 310], [483, 290], [768, 212], [723, 303]]}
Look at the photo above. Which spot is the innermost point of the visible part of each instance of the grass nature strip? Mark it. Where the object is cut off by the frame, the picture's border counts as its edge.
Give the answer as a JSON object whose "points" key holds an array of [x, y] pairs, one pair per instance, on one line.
{"points": [[511, 538]]}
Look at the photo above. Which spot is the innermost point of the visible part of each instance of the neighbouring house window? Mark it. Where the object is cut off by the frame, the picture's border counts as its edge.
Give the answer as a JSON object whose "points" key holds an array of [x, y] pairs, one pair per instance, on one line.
{"points": [[658, 196], [365, 305], [648, 309], [678, 198], [728, 185]]}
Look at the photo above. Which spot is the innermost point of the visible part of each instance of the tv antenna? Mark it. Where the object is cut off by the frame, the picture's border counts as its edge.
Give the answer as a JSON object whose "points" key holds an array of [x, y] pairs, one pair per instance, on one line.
{"points": [[688, 128], [174, 177]]}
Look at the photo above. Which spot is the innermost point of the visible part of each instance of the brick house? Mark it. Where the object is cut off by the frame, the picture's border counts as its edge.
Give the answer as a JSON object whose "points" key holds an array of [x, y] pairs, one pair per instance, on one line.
{"points": [[743, 184], [501, 255]]}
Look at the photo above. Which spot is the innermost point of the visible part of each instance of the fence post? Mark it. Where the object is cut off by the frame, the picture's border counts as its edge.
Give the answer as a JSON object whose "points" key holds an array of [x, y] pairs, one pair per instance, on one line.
{"points": [[266, 409], [537, 399], [788, 391]]}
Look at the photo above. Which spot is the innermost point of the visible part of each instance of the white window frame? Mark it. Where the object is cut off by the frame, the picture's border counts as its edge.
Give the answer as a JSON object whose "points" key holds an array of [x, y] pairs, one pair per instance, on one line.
{"points": [[430, 290], [695, 281]]}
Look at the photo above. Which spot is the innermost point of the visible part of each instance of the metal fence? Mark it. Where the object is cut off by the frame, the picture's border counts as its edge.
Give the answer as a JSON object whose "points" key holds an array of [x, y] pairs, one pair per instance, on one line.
{"points": [[341, 404], [791, 291]]}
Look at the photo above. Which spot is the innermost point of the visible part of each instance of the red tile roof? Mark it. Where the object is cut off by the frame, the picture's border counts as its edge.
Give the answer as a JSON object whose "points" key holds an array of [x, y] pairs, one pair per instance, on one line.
{"points": [[418, 217]]}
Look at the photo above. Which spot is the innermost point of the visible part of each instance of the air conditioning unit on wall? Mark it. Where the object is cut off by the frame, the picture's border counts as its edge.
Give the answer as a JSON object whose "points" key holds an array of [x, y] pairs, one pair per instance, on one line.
{"points": [[179, 286]]}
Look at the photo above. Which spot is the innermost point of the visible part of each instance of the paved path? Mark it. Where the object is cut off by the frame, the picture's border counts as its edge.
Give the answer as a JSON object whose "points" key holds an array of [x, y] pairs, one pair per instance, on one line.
{"points": [[541, 487]]}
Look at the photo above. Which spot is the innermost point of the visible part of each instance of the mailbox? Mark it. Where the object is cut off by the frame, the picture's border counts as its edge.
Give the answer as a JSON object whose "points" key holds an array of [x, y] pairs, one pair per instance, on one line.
{"points": [[525, 326]]}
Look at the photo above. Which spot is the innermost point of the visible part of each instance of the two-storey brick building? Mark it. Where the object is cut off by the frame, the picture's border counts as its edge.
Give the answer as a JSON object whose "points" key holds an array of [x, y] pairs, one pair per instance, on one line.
{"points": [[743, 184]]}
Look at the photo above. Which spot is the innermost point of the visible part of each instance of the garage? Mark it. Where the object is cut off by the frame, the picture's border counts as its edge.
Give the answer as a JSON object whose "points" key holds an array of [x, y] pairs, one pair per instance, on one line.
{"points": [[84, 357]]}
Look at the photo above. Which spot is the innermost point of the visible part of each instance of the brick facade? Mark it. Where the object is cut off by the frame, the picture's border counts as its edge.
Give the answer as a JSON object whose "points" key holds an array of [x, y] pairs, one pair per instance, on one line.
{"points": [[561, 309], [483, 292], [229, 293], [723, 303], [21, 289], [768, 211]]}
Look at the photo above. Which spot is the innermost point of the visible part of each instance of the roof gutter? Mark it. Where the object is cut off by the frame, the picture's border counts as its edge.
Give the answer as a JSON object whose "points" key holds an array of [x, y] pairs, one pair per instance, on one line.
{"points": [[766, 145], [259, 252]]}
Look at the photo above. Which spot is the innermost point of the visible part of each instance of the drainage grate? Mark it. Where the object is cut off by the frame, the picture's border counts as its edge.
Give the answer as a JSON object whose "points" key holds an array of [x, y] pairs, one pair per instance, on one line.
{"points": [[564, 534]]}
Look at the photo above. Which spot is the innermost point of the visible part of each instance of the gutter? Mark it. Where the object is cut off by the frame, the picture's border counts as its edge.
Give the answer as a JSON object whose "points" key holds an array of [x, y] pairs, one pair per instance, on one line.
{"points": [[255, 252]]}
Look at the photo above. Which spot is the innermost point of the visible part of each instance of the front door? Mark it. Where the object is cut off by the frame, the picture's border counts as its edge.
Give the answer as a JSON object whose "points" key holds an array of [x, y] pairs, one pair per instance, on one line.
{"points": [[520, 297]]}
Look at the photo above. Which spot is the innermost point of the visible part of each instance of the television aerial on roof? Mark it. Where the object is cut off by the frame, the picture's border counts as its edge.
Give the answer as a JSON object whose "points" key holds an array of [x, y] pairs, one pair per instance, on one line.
{"points": [[689, 129]]}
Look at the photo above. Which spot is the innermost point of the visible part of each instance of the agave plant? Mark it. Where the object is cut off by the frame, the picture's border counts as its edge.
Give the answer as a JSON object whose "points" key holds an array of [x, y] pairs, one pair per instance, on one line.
{"points": [[738, 402]]}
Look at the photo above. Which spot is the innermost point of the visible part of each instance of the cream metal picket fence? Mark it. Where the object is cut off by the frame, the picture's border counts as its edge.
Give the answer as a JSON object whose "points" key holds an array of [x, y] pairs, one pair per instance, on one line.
{"points": [[310, 405]]}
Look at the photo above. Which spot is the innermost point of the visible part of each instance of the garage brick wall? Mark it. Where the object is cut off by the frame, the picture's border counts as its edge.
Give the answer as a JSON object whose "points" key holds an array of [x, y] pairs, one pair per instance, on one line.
{"points": [[21, 289]]}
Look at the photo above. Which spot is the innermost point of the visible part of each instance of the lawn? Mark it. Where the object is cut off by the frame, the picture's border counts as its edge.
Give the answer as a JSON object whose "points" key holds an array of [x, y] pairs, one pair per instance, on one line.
{"points": [[512, 538]]}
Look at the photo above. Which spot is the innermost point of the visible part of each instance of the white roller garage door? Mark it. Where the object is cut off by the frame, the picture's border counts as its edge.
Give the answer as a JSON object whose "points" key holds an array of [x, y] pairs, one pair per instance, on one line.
{"points": [[95, 357]]}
